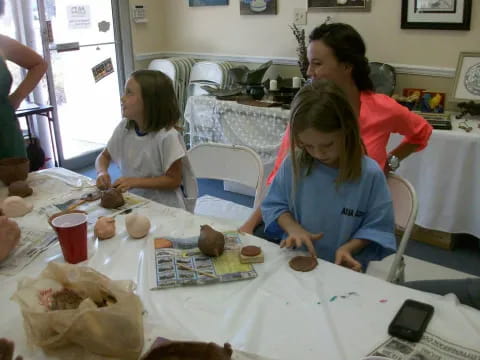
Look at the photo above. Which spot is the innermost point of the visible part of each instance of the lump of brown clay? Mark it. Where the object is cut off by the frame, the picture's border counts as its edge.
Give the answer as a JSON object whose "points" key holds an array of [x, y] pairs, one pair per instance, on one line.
{"points": [[13, 169], [19, 188], [9, 236], [15, 206], [104, 228], [303, 263], [187, 350], [137, 225], [210, 241], [251, 250], [112, 199]]}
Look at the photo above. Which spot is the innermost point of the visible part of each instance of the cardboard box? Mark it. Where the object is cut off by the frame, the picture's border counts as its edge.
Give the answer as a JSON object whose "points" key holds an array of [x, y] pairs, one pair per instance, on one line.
{"points": [[441, 239]]}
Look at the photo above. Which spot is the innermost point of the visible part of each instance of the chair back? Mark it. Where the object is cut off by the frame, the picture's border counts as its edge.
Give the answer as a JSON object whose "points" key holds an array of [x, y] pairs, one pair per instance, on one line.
{"points": [[405, 208], [228, 162], [383, 77]]}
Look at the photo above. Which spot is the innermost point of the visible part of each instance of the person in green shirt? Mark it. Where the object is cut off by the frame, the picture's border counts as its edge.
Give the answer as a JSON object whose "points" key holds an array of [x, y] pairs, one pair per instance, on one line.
{"points": [[11, 139]]}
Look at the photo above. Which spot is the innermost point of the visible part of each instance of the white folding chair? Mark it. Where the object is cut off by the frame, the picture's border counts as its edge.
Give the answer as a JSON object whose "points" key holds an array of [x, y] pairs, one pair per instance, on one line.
{"points": [[405, 207], [227, 162]]}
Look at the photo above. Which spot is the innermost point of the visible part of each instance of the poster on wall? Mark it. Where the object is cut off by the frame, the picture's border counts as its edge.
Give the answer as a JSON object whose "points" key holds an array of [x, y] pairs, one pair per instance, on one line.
{"points": [[436, 14], [207, 2], [258, 7], [467, 77], [361, 5], [78, 16]]}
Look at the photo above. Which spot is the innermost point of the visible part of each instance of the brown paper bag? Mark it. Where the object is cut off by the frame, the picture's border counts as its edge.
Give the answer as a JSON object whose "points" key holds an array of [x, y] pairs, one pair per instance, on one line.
{"points": [[114, 329]]}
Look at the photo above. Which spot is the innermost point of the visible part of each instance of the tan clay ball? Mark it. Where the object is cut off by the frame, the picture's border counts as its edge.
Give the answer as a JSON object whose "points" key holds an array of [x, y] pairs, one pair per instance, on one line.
{"points": [[137, 226], [9, 236], [15, 206], [104, 228]]}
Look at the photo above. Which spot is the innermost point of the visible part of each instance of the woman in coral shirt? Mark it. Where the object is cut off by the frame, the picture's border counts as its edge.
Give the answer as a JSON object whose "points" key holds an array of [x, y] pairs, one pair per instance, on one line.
{"points": [[337, 52]]}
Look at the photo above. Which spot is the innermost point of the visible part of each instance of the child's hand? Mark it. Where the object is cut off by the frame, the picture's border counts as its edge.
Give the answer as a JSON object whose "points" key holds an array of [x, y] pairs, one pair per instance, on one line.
{"points": [[301, 236], [125, 183], [103, 180], [344, 257]]}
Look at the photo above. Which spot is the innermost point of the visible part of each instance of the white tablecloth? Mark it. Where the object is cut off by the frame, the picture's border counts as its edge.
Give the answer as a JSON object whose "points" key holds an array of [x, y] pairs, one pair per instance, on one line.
{"points": [[260, 128], [281, 314], [446, 177]]}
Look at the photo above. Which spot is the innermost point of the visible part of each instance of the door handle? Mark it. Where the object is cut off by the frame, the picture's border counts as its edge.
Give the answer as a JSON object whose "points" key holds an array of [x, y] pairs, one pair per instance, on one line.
{"points": [[71, 46]]}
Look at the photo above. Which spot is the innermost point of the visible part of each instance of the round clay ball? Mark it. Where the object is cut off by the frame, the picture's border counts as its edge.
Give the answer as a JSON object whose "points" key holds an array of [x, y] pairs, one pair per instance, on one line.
{"points": [[303, 263], [104, 228], [210, 241], [137, 226], [15, 206], [19, 188], [112, 199]]}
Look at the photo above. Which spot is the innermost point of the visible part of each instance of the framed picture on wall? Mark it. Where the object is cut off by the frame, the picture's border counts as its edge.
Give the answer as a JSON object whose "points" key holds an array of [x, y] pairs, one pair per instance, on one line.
{"points": [[258, 7], [467, 77], [436, 14], [207, 2], [361, 5]]}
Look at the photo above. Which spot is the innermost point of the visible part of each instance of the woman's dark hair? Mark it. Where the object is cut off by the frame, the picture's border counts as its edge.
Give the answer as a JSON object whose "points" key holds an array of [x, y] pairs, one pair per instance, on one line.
{"points": [[160, 106], [348, 47]]}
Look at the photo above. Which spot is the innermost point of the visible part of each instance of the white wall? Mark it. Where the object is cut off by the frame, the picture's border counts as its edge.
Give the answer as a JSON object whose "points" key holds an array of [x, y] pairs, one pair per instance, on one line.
{"points": [[174, 26]]}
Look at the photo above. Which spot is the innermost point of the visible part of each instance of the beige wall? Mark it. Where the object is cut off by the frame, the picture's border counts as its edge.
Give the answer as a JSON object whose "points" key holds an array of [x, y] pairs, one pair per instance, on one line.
{"points": [[174, 26]]}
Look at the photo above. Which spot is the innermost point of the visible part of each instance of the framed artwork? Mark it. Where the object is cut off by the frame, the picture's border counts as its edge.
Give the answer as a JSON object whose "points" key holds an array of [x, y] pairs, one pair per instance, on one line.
{"points": [[360, 5], [207, 2], [432, 102], [436, 14], [258, 7], [467, 77]]}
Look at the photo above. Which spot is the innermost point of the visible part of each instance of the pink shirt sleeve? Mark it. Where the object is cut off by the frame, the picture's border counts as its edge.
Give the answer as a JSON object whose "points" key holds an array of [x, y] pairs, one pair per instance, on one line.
{"points": [[415, 129], [281, 155]]}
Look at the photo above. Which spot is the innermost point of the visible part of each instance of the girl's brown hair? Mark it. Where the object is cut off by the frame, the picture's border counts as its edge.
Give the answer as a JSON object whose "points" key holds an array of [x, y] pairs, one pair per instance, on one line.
{"points": [[160, 106], [322, 105]]}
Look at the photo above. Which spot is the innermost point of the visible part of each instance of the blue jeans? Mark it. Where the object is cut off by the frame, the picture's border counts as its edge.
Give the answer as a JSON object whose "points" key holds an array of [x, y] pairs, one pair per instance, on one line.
{"points": [[467, 290]]}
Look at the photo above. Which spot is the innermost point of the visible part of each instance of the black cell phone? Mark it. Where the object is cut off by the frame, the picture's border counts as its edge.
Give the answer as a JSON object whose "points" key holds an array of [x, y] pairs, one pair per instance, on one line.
{"points": [[411, 320]]}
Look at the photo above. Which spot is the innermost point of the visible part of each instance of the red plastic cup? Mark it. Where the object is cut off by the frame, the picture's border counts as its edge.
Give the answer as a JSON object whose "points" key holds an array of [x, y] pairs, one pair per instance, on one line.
{"points": [[72, 235]]}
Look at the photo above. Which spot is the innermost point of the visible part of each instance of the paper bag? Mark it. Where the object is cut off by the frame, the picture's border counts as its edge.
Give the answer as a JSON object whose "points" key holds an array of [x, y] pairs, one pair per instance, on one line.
{"points": [[108, 321]]}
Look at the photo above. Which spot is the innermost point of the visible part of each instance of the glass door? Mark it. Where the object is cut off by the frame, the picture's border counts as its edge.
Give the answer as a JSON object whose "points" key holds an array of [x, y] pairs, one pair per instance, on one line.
{"points": [[85, 77]]}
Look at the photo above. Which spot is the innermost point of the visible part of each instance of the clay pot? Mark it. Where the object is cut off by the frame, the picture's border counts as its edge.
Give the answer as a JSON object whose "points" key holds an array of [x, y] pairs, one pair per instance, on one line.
{"points": [[14, 169], [112, 199], [210, 241]]}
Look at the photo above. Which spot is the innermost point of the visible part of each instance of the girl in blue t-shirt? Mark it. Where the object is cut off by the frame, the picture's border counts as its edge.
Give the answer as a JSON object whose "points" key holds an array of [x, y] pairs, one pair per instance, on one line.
{"points": [[328, 196]]}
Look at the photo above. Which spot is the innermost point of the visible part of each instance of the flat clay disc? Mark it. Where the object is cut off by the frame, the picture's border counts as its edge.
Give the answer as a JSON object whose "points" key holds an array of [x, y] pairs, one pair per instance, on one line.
{"points": [[251, 250], [303, 263], [92, 196]]}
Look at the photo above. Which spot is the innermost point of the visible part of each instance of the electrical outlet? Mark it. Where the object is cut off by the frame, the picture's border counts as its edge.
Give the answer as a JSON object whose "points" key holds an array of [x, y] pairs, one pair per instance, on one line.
{"points": [[300, 17]]}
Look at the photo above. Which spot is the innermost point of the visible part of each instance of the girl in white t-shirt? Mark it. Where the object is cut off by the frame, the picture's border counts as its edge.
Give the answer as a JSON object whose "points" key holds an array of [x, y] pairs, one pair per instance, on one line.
{"points": [[146, 145]]}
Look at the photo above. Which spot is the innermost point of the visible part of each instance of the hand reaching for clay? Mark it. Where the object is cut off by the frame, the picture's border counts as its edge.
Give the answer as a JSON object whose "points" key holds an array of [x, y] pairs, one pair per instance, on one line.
{"points": [[103, 180], [125, 183], [7, 349], [299, 237], [344, 258]]}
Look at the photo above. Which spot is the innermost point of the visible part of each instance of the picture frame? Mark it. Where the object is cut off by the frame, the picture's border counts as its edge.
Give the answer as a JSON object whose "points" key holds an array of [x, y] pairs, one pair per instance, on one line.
{"points": [[436, 14], [207, 2], [339, 5], [467, 77], [258, 7]]}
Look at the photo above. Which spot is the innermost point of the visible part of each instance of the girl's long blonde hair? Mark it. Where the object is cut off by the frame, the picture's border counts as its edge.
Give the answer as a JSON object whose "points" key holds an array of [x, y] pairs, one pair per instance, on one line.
{"points": [[322, 105]]}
